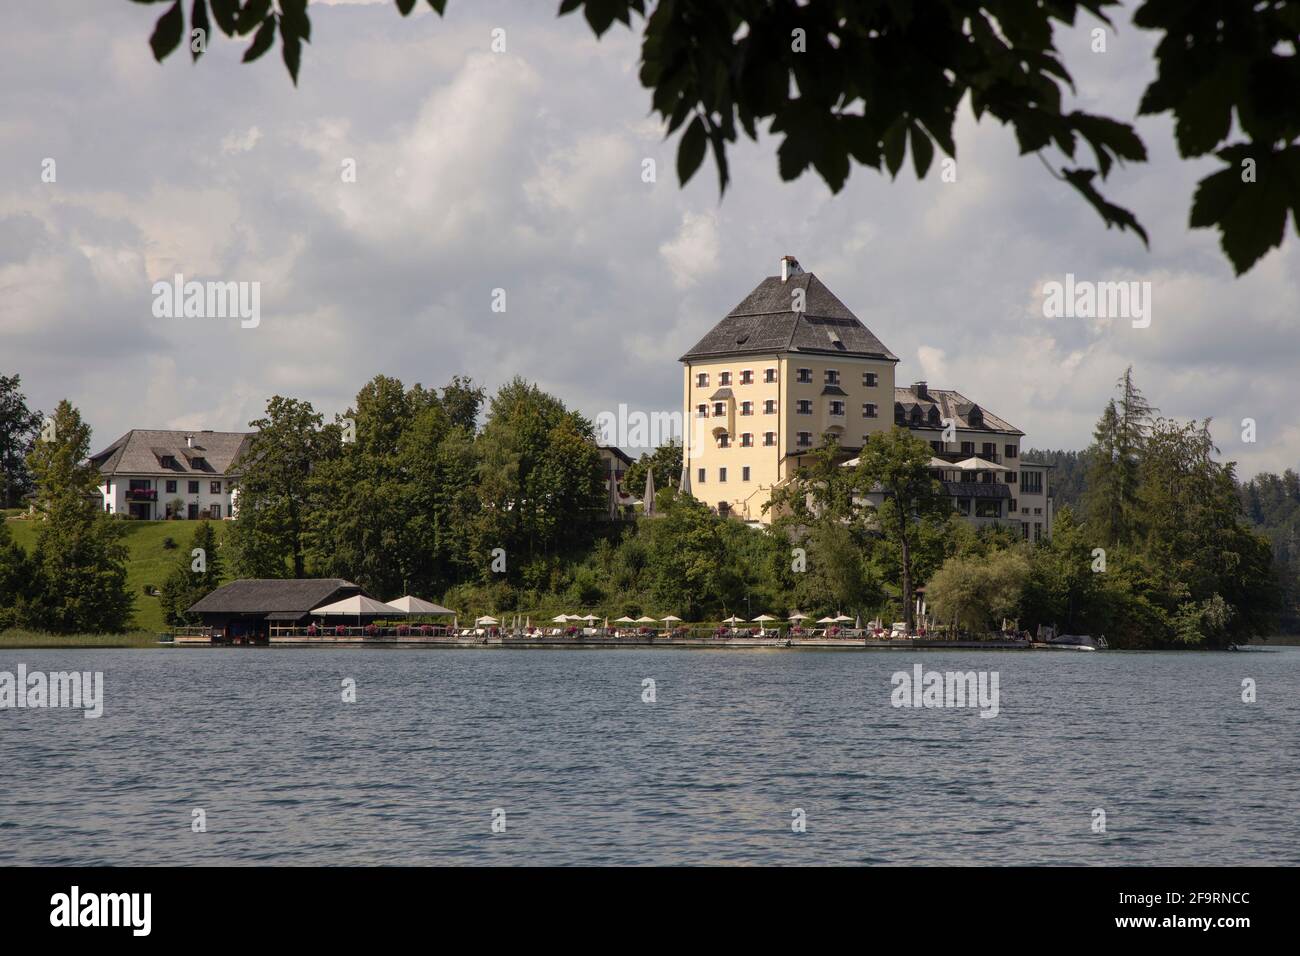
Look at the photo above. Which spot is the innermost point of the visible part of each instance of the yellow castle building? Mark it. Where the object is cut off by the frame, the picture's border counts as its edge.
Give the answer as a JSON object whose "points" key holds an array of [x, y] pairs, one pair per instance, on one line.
{"points": [[791, 365]]}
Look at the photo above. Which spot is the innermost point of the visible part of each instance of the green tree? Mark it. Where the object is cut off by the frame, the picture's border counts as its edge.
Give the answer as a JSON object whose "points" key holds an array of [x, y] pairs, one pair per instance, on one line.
{"points": [[666, 463], [193, 577], [269, 536], [539, 480], [358, 520], [78, 562], [19, 427], [896, 465], [978, 592], [1120, 437], [870, 80], [15, 579], [686, 558]]}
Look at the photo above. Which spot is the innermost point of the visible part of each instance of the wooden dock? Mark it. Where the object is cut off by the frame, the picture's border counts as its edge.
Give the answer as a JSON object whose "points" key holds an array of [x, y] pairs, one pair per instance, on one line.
{"points": [[590, 642]]}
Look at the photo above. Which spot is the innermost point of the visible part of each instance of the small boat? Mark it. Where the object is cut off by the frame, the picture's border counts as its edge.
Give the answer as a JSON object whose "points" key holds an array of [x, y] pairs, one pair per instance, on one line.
{"points": [[1077, 642]]}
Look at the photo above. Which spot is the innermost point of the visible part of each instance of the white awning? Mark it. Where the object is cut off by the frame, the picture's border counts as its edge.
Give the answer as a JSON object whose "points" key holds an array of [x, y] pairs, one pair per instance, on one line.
{"points": [[355, 605], [407, 604]]}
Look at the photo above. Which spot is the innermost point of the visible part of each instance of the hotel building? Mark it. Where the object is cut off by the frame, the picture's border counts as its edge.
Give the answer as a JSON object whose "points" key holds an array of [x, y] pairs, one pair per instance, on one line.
{"points": [[791, 365]]}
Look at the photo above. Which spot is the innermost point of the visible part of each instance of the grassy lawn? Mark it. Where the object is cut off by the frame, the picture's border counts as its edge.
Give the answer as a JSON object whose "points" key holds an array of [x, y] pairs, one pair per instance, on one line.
{"points": [[15, 639], [150, 563]]}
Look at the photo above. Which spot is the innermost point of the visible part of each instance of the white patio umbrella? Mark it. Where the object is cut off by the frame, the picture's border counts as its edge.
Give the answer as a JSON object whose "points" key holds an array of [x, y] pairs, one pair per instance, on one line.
{"points": [[798, 616], [643, 619], [624, 620], [407, 604], [975, 463], [671, 619], [826, 620], [648, 499], [733, 620], [487, 620], [589, 618], [560, 619], [763, 619], [358, 604], [842, 618]]}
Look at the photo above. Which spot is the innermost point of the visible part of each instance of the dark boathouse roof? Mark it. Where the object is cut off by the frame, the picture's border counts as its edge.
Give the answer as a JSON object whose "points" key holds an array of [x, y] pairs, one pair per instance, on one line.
{"points": [[765, 321], [275, 599]]}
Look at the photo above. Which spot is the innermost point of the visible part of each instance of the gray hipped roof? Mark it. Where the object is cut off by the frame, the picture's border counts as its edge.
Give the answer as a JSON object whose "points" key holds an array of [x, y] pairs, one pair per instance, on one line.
{"points": [[766, 322], [141, 451], [274, 597], [951, 404]]}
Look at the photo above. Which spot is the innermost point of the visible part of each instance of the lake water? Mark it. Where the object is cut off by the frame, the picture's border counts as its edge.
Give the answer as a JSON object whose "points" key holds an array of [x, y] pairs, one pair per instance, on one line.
{"points": [[710, 773]]}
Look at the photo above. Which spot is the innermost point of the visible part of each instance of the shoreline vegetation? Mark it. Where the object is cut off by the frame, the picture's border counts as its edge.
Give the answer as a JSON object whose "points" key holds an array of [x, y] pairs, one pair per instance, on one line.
{"points": [[493, 506], [22, 640]]}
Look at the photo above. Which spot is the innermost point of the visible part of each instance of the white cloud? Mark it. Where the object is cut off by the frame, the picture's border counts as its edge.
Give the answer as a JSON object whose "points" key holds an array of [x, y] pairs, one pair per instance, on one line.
{"points": [[693, 253]]}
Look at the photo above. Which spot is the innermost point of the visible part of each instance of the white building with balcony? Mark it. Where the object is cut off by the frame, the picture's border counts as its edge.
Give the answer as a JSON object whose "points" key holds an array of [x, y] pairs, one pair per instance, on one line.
{"points": [[153, 475]]}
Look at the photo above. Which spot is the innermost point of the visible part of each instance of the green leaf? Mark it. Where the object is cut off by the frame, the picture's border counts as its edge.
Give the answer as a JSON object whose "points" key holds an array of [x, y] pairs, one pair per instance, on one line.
{"points": [[690, 153], [1250, 216], [223, 11], [291, 50], [167, 32], [1081, 179], [261, 41], [251, 16], [405, 6], [720, 158], [439, 6], [895, 144], [922, 151], [199, 21]]}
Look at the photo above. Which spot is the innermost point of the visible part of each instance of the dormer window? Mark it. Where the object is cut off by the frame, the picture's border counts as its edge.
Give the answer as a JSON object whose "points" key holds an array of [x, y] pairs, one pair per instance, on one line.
{"points": [[916, 415], [169, 461], [198, 463], [934, 415]]}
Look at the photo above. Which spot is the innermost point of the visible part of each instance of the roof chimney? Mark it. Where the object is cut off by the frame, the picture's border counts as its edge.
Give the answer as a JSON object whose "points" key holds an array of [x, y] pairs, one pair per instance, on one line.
{"points": [[920, 390], [789, 267], [189, 441]]}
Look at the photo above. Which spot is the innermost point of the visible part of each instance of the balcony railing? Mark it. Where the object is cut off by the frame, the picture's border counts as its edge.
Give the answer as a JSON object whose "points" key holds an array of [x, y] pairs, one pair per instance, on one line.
{"points": [[141, 494]]}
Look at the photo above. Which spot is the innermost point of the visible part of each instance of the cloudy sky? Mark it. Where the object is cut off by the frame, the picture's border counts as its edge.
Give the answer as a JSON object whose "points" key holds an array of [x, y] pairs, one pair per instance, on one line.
{"points": [[522, 171]]}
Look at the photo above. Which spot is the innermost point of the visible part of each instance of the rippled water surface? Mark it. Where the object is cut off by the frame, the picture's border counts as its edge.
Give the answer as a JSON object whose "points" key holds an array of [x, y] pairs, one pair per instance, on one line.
{"points": [[587, 773]]}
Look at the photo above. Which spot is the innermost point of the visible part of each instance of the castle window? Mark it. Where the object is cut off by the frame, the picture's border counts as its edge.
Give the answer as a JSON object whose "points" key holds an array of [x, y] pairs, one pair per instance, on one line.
{"points": [[769, 375], [869, 410], [869, 379], [805, 376]]}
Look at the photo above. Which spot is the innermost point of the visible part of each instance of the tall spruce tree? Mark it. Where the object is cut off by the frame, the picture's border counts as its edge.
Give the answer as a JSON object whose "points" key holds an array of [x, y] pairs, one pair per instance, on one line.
{"points": [[79, 560], [198, 572], [1111, 499]]}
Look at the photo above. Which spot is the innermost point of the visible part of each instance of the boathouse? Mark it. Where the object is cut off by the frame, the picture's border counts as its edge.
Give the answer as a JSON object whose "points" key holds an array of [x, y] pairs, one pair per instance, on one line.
{"points": [[243, 611]]}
